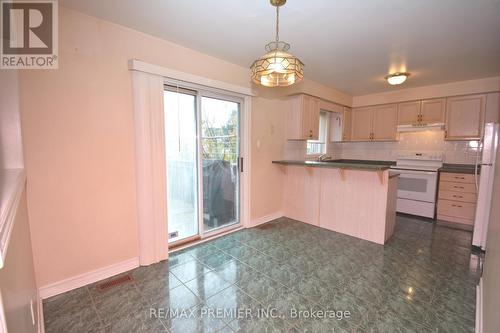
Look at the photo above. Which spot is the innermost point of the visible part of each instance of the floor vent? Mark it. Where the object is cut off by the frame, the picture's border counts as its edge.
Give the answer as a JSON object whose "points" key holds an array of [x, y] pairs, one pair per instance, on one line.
{"points": [[115, 282]]}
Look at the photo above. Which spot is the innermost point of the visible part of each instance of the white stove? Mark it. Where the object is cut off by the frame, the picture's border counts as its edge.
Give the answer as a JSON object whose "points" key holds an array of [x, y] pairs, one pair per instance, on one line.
{"points": [[417, 183]]}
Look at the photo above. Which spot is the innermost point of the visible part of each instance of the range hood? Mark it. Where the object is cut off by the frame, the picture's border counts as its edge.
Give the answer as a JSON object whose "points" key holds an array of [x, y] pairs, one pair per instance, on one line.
{"points": [[421, 127]]}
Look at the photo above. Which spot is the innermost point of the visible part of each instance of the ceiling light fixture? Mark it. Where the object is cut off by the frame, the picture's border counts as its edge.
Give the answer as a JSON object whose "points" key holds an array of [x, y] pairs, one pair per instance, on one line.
{"points": [[397, 78], [277, 68]]}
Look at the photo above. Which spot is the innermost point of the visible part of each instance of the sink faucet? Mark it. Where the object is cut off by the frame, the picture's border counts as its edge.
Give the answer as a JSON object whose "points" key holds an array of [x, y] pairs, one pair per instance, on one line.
{"points": [[323, 157]]}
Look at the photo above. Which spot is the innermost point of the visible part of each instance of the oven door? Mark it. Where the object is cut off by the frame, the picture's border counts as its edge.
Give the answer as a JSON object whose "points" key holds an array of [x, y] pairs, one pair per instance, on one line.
{"points": [[417, 185]]}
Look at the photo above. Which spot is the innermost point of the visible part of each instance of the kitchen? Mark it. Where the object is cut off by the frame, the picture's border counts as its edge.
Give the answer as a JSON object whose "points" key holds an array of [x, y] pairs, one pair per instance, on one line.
{"points": [[181, 157], [434, 145]]}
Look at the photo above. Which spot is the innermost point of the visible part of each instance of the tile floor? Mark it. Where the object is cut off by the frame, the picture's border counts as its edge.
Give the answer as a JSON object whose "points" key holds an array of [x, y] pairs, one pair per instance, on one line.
{"points": [[423, 280]]}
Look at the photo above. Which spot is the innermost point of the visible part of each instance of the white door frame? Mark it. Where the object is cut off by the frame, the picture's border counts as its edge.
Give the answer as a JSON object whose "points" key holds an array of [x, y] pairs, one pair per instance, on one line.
{"points": [[151, 168], [243, 200]]}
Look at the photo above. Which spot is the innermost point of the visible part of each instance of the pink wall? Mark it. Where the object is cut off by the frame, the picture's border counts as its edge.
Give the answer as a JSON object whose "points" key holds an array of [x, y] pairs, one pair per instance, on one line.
{"points": [[78, 134], [11, 151], [268, 140]]}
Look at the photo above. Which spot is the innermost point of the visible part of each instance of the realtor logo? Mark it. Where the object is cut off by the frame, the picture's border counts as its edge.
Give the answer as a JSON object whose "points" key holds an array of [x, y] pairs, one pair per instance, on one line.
{"points": [[29, 35]]}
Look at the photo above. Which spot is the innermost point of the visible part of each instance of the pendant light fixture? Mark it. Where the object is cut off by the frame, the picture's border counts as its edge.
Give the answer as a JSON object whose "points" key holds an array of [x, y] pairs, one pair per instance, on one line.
{"points": [[277, 68]]}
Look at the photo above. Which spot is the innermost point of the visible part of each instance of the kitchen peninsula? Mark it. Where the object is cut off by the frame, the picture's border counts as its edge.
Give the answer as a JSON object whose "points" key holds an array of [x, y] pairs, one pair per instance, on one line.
{"points": [[350, 197]]}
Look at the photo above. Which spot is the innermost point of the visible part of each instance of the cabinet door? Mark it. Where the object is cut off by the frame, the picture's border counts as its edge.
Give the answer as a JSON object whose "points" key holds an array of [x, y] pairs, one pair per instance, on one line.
{"points": [[313, 114], [408, 113], [432, 110], [295, 118], [361, 127], [385, 122], [302, 194], [465, 117], [346, 136], [306, 117]]}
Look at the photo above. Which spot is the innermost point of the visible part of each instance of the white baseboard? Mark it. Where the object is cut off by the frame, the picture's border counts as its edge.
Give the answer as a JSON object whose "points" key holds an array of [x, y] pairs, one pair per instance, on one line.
{"points": [[87, 278], [267, 218], [479, 307]]}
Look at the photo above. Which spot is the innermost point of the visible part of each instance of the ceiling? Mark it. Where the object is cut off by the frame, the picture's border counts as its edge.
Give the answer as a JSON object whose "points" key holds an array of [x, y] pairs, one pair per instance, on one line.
{"points": [[348, 45]]}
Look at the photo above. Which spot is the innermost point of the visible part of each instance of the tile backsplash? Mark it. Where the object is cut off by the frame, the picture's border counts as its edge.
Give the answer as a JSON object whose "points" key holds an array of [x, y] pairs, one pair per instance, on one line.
{"points": [[459, 152]]}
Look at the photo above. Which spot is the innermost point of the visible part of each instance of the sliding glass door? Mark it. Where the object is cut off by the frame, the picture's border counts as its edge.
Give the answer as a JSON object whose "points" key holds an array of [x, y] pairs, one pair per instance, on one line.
{"points": [[181, 148], [202, 144], [220, 153]]}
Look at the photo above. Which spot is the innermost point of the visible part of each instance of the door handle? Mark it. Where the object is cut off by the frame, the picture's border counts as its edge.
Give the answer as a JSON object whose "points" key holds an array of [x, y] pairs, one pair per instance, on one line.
{"points": [[241, 164]]}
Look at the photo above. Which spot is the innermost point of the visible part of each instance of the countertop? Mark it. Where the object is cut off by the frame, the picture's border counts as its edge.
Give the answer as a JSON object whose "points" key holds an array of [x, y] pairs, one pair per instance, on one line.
{"points": [[342, 164], [458, 168]]}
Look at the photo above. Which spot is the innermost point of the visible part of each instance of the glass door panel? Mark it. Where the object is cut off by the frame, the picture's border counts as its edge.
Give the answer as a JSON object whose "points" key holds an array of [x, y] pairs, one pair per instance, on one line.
{"points": [[181, 150], [220, 151]]}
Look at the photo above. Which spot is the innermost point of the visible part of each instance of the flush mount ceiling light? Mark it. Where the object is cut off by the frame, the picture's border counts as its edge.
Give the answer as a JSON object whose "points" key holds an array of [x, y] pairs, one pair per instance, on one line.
{"points": [[277, 68], [397, 78]]}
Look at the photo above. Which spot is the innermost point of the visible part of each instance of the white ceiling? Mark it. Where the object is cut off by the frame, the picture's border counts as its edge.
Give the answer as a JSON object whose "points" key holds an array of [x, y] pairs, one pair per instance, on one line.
{"points": [[349, 45]]}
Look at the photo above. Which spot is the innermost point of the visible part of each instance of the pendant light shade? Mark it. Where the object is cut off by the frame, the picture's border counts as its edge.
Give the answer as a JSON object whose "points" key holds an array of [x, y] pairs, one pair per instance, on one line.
{"points": [[277, 68]]}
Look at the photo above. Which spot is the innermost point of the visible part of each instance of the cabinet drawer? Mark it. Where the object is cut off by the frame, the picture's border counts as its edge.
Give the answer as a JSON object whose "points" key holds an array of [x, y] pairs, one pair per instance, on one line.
{"points": [[463, 210], [458, 178], [457, 187], [458, 196], [455, 219]]}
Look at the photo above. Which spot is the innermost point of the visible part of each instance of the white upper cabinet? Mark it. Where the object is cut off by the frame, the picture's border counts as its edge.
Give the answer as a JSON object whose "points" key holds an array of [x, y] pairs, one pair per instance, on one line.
{"points": [[385, 122], [375, 123], [433, 111], [346, 136], [465, 117], [427, 111], [409, 113], [361, 126], [303, 118]]}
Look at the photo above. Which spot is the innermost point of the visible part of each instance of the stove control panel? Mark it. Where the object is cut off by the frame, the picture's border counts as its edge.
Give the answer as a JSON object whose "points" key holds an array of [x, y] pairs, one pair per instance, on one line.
{"points": [[421, 155]]}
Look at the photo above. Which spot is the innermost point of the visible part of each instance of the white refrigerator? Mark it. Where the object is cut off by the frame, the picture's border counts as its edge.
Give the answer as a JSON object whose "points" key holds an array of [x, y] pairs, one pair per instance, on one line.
{"points": [[485, 190]]}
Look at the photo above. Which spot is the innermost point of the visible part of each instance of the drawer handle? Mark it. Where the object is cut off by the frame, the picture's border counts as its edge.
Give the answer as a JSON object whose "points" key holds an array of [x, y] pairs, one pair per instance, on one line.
{"points": [[459, 206], [457, 196], [459, 177], [459, 187]]}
